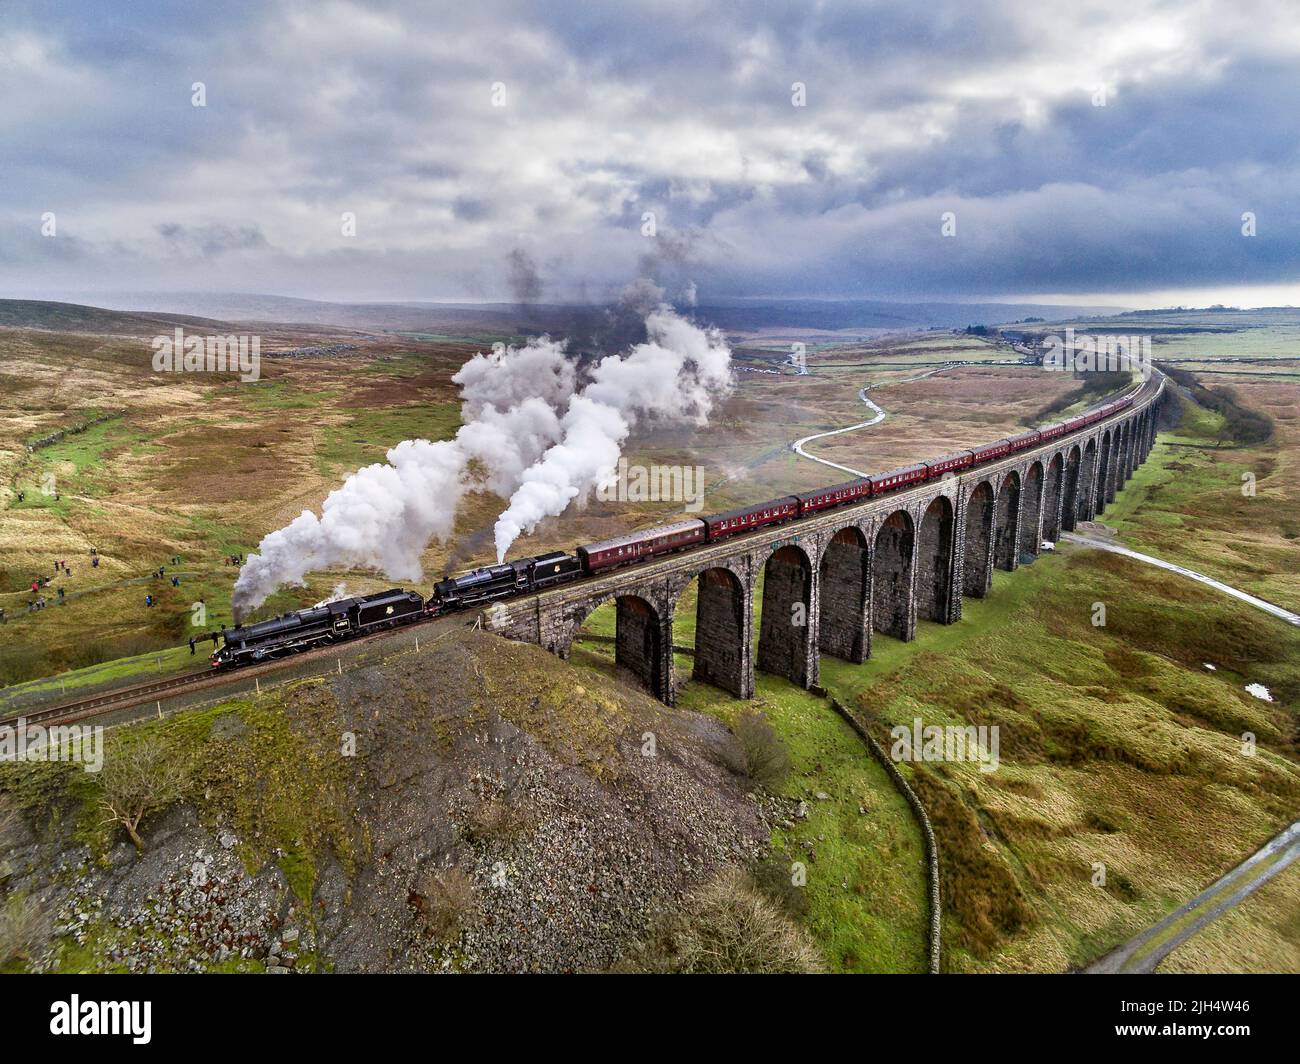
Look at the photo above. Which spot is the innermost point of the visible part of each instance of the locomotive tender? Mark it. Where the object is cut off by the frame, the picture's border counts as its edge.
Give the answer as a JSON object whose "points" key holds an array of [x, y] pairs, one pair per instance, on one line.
{"points": [[351, 617]]}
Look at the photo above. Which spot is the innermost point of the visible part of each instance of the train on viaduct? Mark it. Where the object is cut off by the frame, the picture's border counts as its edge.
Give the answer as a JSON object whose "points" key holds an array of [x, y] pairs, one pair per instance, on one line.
{"points": [[832, 582]]}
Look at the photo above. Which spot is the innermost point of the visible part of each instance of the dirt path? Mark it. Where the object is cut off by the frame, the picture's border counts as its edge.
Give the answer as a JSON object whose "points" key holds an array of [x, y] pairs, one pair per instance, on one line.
{"points": [[1143, 953], [51, 592]]}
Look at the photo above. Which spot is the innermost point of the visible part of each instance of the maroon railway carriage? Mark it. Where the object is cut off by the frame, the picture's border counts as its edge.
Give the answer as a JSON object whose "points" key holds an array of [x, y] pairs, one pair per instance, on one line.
{"points": [[824, 498], [986, 452], [748, 518], [637, 546], [1025, 439], [949, 463], [1051, 432], [897, 478]]}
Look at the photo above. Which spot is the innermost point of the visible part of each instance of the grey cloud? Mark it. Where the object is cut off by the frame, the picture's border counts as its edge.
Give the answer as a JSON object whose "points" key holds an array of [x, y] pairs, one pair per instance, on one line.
{"points": [[681, 108], [469, 209], [211, 239]]}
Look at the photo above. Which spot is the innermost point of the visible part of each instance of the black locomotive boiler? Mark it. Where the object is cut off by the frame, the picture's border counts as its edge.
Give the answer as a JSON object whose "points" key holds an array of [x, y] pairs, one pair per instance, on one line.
{"points": [[330, 622]]}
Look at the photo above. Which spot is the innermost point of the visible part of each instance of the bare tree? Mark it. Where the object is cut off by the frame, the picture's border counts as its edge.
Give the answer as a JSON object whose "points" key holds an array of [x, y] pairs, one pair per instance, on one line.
{"points": [[725, 926], [138, 778]]}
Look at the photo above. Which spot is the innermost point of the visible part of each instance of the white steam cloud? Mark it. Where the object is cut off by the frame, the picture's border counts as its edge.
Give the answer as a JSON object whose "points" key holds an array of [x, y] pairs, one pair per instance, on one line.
{"points": [[385, 515], [527, 433], [676, 375]]}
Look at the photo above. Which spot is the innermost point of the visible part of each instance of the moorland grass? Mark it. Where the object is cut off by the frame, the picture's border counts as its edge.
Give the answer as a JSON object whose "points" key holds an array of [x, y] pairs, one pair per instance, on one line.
{"points": [[1120, 749]]}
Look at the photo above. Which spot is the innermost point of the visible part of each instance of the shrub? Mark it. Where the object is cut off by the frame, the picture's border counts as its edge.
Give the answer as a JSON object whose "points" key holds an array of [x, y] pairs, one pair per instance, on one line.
{"points": [[772, 876], [725, 927], [445, 902], [23, 927], [766, 761], [1241, 425], [495, 818]]}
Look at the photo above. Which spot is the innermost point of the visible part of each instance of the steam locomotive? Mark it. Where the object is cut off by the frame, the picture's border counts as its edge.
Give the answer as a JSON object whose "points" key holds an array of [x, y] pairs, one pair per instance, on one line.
{"points": [[348, 618], [330, 622]]}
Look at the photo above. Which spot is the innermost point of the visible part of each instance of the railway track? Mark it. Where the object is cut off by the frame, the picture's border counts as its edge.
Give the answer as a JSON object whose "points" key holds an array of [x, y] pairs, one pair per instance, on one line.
{"points": [[91, 705], [125, 697], [102, 702]]}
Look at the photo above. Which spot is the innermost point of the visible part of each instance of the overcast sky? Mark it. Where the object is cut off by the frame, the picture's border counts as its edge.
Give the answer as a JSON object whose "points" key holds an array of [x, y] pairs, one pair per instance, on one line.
{"points": [[387, 110]]}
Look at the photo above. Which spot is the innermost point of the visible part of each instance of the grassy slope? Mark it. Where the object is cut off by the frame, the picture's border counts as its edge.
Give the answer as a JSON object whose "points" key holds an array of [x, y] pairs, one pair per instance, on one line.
{"points": [[189, 467], [270, 768], [1186, 504], [866, 875], [860, 846]]}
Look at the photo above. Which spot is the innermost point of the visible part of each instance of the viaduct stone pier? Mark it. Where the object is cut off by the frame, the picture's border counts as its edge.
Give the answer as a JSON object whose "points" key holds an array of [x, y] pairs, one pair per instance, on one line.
{"points": [[835, 581]]}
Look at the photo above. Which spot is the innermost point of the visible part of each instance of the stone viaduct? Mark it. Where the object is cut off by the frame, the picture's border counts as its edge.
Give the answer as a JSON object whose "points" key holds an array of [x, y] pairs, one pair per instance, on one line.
{"points": [[834, 581]]}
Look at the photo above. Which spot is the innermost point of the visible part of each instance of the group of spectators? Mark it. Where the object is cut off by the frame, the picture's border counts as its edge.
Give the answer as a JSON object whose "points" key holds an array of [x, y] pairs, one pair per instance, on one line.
{"points": [[61, 567], [196, 639], [39, 583], [161, 574]]}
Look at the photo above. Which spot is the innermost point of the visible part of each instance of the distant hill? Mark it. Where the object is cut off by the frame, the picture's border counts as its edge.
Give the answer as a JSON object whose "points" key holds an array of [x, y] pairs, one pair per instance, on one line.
{"points": [[73, 317], [383, 317], [508, 318]]}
